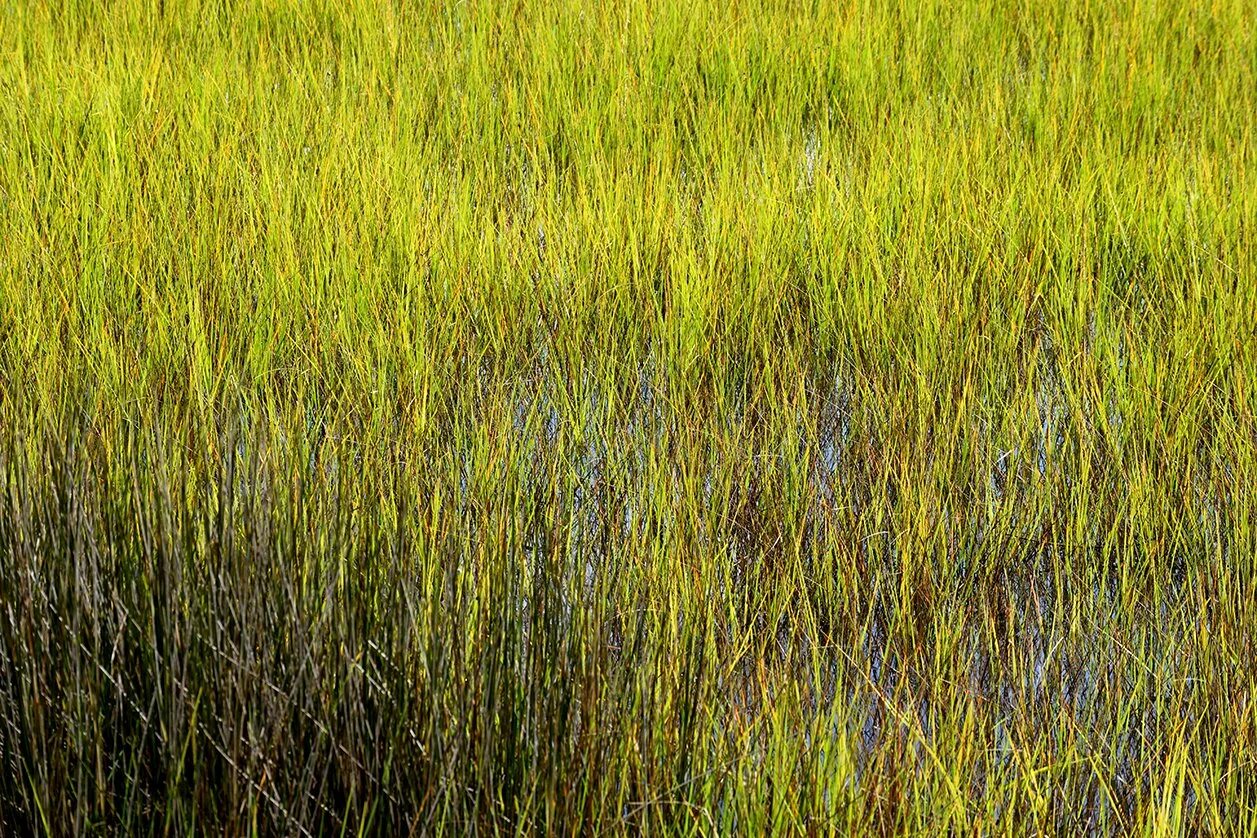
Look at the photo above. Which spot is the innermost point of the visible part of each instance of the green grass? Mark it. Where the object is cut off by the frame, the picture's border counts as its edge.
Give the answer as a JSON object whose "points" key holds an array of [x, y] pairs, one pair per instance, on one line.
{"points": [[653, 417]]}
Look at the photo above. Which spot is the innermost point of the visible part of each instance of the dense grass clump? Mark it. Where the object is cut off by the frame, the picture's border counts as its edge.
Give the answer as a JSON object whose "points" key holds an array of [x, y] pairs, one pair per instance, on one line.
{"points": [[572, 417]]}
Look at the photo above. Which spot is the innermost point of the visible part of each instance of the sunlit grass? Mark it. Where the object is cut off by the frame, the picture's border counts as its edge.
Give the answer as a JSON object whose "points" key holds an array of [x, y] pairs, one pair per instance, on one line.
{"points": [[672, 418]]}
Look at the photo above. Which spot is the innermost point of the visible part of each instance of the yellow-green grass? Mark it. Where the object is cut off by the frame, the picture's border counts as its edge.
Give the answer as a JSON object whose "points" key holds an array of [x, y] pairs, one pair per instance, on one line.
{"points": [[713, 417]]}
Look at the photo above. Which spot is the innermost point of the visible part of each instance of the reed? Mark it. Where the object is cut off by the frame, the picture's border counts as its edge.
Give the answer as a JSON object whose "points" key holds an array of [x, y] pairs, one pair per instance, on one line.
{"points": [[635, 417]]}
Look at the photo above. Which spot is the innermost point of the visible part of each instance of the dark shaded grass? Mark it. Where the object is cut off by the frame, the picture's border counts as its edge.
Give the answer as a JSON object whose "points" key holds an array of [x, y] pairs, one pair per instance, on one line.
{"points": [[261, 642]]}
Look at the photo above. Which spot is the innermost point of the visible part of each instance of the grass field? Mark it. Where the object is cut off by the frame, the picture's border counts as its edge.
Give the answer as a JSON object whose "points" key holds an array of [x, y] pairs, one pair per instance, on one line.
{"points": [[654, 417]]}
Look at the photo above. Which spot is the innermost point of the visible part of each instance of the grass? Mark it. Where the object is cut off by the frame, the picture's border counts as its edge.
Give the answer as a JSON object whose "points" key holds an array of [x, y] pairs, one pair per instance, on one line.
{"points": [[669, 418]]}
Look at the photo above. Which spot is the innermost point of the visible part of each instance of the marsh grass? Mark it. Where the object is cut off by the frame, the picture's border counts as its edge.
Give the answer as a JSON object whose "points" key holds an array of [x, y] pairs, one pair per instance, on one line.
{"points": [[652, 417]]}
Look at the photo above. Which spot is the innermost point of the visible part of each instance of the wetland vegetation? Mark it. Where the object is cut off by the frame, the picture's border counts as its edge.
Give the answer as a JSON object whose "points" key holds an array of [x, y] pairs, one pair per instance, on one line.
{"points": [[631, 417]]}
